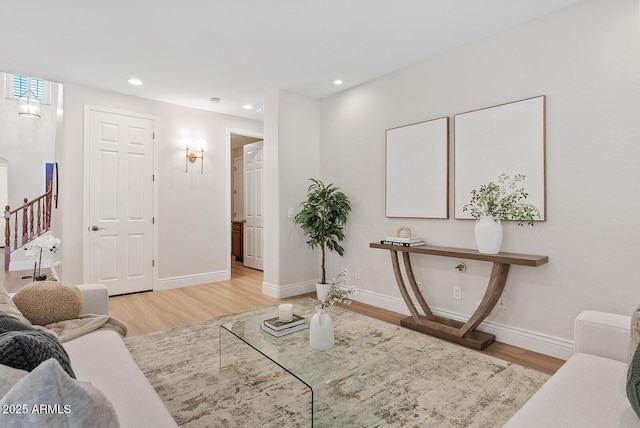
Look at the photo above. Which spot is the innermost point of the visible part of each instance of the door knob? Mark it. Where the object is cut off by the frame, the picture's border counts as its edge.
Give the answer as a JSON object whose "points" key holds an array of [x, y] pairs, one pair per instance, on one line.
{"points": [[96, 228]]}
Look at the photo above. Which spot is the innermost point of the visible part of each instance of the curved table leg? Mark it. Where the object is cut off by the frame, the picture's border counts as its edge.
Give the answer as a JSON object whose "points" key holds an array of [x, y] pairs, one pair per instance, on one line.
{"points": [[497, 281], [402, 287], [446, 328], [414, 285]]}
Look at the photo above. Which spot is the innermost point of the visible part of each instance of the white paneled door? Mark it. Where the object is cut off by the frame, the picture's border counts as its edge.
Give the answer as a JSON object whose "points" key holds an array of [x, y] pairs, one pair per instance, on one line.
{"points": [[119, 244], [254, 205]]}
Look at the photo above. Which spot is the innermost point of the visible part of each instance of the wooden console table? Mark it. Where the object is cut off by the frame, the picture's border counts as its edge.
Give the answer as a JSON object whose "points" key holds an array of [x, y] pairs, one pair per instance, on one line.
{"points": [[447, 328]]}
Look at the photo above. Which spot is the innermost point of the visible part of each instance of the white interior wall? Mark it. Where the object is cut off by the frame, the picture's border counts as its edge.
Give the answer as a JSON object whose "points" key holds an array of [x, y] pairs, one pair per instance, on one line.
{"points": [[586, 60], [193, 208], [292, 155]]}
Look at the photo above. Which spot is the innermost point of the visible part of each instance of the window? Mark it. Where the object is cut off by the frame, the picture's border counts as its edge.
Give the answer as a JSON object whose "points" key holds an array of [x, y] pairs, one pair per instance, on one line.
{"points": [[17, 85]]}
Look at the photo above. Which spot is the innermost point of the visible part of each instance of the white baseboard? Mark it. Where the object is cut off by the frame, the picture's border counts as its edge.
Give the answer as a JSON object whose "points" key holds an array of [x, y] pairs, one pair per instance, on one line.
{"points": [[189, 280], [533, 341], [287, 290]]}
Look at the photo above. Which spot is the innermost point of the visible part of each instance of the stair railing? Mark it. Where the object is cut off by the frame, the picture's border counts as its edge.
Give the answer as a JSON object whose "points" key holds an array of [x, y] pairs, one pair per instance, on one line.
{"points": [[29, 221]]}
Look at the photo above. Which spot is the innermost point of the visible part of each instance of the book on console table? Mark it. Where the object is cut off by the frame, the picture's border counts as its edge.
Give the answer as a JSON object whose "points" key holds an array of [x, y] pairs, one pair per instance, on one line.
{"points": [[404, 239], [403, 244], [284, 332], [274, 323]]}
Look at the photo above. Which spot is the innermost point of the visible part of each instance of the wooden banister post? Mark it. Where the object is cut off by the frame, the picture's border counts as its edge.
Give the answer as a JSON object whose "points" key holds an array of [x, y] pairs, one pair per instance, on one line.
{"points": [[25, 222], [39, 220], [31, 229], [7, 226], [15, 233], [7, 237]]}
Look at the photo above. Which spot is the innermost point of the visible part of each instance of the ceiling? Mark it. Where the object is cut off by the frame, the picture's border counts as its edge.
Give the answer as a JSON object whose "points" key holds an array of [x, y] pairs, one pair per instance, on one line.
{"points": [[187, 51]]}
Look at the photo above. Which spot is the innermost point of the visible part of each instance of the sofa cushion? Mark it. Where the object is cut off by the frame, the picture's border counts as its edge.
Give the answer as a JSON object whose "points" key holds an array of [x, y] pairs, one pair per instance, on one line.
{"points": [[9, 307], [103, 359], [48, 397], [587, 391], [9, 377], [47, 302], [25, 350]]}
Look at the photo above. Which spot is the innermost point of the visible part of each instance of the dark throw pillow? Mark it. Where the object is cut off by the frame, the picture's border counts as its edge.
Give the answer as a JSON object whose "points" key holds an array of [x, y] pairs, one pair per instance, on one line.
{"points": [[7, 306], [26, 349], [633, 382], [10, 323]]}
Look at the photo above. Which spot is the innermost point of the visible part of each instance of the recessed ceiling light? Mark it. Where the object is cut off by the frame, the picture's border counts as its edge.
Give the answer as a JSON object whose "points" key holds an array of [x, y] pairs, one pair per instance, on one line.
{"points": [[337, 82], [135, 82], [248, 107]]}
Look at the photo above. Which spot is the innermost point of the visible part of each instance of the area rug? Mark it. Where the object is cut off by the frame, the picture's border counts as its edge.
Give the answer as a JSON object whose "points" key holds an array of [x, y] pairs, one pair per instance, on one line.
{"points": [[432, 383]]}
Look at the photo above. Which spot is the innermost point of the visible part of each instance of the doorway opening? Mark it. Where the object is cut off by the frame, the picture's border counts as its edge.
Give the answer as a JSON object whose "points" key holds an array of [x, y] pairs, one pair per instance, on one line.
{"points": [[238, 139]]}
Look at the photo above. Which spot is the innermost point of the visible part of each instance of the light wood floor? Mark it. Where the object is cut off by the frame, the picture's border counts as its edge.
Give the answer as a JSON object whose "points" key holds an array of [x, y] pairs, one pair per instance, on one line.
{"points": [[159, 310]]}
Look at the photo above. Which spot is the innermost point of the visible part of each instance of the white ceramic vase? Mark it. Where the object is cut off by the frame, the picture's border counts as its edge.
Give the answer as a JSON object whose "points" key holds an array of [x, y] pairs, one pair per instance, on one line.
{"points": [[322, 291], [488, 235], [321, 330]]}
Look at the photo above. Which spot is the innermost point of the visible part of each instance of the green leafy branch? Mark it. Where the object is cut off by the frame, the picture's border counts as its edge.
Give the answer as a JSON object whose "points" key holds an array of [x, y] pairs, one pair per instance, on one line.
{"points": [[503, 201]]}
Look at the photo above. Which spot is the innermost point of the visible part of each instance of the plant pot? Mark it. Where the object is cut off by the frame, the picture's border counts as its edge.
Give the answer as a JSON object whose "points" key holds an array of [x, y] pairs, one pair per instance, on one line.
{"points": [[322, 291], [488, 235], [321, 330]]}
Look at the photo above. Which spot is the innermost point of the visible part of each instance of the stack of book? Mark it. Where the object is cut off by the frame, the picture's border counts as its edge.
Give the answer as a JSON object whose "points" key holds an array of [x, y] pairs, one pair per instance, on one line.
{"points": [[404, 242], [279, 328]]}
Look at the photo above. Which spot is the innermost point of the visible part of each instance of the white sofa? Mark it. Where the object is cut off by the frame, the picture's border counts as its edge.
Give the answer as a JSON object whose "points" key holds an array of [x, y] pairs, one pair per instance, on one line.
{"points": [[589, 390], [101, 357]]}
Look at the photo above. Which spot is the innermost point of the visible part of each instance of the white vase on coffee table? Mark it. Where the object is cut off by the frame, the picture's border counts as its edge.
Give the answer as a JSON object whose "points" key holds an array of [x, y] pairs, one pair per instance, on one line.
{"points": [[321, 335]]}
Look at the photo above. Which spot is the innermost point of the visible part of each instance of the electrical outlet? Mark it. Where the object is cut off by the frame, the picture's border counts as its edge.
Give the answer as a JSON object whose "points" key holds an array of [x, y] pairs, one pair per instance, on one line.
{"points": [[457, 293], [502, 303], [357, 273]]}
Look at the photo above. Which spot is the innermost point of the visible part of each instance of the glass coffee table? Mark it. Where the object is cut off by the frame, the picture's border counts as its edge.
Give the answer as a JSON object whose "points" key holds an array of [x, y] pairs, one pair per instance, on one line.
{"points": [[348, 384]]}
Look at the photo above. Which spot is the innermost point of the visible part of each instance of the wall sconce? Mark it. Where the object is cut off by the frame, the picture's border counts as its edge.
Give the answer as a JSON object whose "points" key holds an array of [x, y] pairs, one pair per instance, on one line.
{"points": [[191, 157], [29, 105]]}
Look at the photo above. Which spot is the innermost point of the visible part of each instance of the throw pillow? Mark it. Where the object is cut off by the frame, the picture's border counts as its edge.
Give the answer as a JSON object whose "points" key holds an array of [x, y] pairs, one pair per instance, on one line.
{"points": [[633, 382], [25, 350], [9, 377], [47, 397], [46, 302], [9, 323], [635, 333], [7, 306]]}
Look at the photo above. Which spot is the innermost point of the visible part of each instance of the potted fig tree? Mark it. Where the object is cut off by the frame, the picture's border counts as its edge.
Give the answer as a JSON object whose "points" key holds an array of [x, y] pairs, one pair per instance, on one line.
{"points": [[322, 220]]}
